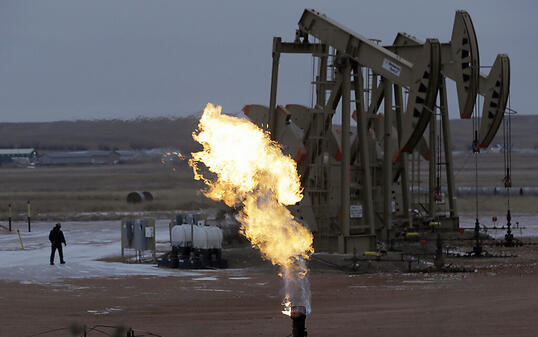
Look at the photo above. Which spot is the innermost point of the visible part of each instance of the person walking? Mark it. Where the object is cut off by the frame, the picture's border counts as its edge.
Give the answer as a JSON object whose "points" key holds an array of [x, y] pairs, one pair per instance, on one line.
{"points": [[56, 238]]}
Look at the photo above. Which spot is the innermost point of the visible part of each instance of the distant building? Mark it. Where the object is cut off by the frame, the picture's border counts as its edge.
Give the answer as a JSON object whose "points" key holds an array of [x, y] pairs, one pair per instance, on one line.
{"points": [[128, 155], [80, 158], [28, 155], [165, 154]]}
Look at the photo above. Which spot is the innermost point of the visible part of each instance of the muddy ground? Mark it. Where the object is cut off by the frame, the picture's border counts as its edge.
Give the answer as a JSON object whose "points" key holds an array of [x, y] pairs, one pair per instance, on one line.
{"points": [[498, 298]]}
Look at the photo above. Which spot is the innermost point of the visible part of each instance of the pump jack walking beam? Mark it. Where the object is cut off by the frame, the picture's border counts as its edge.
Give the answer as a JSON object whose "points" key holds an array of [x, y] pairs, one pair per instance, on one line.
{"points": [[461, 63], [420, 77]]}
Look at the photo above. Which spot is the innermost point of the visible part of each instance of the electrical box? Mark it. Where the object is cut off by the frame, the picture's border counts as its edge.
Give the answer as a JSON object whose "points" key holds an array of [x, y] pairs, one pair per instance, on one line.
{"points": [[138, 234], [149, 232]]}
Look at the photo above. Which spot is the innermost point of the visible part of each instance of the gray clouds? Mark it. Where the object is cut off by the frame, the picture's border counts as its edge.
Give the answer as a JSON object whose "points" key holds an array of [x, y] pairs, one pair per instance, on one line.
{"points": [[67, 59]]}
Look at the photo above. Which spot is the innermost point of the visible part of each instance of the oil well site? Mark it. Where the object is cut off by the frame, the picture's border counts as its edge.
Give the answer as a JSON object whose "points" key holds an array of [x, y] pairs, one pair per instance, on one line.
{"points": [[358, 184]]}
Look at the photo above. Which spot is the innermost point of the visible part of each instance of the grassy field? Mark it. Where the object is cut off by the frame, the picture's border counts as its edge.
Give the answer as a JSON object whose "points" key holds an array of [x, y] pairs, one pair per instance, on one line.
{"points": [[99, 188], [104, 188], [491, 171]]}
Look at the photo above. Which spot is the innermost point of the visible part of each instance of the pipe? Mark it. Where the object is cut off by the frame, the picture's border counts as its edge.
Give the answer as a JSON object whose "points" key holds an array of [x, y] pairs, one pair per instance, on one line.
{"points": [[448, 151], [29, 216], [364, 158], [398, 100], [272, 121], [9, 216], [387, 159], [345, 163], [20, 239], [298, 316], [432, 173]]}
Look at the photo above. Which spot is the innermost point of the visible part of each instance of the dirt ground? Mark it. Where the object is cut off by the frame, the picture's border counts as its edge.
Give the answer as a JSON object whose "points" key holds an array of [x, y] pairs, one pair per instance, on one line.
{"points": [[499, 298]]}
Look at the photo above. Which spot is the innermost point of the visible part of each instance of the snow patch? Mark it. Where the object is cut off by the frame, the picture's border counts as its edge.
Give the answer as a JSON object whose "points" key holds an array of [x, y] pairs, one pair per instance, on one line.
{"points": [[87, 242], [208, 278]]}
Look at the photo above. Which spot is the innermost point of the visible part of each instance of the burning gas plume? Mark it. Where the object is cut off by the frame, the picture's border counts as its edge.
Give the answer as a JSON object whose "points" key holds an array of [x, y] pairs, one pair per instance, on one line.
{"points": [[245, 169]]}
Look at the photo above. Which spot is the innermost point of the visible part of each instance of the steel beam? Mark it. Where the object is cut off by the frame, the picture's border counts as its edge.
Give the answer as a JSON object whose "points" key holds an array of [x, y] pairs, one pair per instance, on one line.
{"points": [[322, 78], [272, 122], [404, 165], [361, 49], [313, 133], [452, 205], [387, 158], [432, 169], [300, 48], [364, 157], [345, 70]]}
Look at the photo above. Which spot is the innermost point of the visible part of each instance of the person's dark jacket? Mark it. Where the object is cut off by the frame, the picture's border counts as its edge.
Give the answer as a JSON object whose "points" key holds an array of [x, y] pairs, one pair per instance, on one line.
{"points": [[56, 237]]}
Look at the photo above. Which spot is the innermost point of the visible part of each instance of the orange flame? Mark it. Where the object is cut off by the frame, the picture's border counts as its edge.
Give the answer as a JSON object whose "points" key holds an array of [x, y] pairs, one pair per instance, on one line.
{"points": [[251, 171]]}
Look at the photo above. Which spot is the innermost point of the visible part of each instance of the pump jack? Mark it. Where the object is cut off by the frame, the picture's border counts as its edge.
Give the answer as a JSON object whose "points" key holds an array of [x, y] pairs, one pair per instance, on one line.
{"points": [[356, 187]]}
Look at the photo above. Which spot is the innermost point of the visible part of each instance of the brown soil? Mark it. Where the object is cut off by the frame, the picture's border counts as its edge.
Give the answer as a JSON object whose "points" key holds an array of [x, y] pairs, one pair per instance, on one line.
{"points": [[499, 299]]}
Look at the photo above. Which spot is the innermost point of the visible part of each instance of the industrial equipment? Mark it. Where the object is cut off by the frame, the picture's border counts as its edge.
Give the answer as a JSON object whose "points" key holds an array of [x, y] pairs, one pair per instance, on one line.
{"points": [[298, 317], [138, 234], [194, 245], [356, 184]]}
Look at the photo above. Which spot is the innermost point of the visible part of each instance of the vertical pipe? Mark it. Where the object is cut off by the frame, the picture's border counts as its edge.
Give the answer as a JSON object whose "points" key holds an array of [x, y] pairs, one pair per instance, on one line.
{"points": [[321, 99], [29, 215], [413, 178], [9, 216], [274, 83], [298, 316], [432, 156], [362, 133], [398, 100], [373, 85], [124, 228], [448, 152], [419, 173], [387, 158], [345, 163], [20, 239]]}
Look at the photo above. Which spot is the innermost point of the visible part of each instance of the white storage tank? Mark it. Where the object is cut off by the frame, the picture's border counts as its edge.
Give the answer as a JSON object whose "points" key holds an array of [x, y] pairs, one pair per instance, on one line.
{"points": [[202, 237], [181, 235], [214, 238], [199, 240]]}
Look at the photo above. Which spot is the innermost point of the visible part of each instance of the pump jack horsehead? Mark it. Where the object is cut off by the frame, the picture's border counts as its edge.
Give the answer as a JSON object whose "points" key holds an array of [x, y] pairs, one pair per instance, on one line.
{"points": [[356, 188]]}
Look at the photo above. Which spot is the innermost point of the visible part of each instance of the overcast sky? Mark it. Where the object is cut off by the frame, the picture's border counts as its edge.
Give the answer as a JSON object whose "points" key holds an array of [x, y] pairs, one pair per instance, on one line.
{"points": [[69, 59]]}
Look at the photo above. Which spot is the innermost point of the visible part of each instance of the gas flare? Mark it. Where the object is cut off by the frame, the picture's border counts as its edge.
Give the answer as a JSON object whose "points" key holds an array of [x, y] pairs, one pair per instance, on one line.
{"points": [[245, 169]]}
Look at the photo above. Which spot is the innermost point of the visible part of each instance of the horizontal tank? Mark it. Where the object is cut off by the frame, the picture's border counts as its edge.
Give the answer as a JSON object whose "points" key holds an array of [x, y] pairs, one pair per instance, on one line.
{"points": [[202, 237]]}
